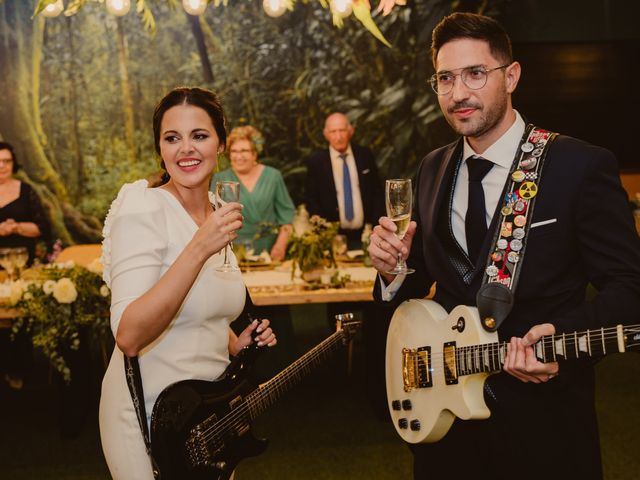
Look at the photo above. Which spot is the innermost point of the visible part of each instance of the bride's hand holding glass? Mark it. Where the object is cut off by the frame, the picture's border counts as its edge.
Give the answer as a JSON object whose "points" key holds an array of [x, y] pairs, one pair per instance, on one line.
{"points": [[220, 228]]}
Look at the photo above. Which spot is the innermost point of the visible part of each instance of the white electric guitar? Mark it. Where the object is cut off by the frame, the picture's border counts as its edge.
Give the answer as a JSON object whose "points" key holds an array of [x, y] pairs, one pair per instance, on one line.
{"points": [[436, 364]]}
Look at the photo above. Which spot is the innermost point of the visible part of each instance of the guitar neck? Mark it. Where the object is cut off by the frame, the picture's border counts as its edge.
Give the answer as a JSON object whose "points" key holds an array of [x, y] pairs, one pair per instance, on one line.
{"points": [[489, 357], [265, 396]]}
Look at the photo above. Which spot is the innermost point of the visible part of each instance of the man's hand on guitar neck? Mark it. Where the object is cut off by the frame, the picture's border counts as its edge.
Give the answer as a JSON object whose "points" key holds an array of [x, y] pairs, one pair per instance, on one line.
{"points": [[521, 361]]}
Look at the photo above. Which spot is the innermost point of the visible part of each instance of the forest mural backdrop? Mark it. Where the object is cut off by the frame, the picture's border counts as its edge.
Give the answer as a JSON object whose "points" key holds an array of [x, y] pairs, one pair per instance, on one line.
{"points": [[78, 91]]}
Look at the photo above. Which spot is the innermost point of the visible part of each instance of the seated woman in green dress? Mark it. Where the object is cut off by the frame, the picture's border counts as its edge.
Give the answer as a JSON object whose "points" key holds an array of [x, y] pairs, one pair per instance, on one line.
{"points": [[262, 192]]}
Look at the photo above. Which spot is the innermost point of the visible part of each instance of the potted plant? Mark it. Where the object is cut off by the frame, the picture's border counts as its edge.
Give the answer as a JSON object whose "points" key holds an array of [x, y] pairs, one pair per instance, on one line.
{"points": [[310, 250]]}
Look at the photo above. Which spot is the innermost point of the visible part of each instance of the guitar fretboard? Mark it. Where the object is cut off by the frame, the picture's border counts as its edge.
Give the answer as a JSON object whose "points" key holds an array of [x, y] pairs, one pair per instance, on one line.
{"points": [[489, 357], [265, 396]]}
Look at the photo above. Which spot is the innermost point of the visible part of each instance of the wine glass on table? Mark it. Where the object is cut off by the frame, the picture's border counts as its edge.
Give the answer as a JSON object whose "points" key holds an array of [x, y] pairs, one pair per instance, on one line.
{"points": [[20, 256], [227, 192], [7, 262], [398, 198]]}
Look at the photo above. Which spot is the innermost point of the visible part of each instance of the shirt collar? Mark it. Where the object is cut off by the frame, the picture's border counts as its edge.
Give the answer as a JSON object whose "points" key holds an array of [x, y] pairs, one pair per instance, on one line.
{"points": [[502, 151], [336, 154]]}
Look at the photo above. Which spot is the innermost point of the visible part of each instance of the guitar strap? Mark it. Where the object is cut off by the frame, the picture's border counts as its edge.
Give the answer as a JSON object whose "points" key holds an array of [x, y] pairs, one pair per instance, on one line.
{"points": [[495, 297], [134, 382]]}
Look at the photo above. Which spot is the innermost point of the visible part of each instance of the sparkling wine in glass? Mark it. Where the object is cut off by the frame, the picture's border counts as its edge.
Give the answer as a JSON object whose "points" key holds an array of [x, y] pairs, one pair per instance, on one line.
{"points": [[227, 192], [20, 256], [398, 198]]}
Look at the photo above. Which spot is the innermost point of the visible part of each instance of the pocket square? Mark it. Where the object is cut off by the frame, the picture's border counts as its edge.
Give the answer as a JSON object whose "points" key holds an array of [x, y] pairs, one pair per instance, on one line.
{"points": [[365, 171], [544, 222]]}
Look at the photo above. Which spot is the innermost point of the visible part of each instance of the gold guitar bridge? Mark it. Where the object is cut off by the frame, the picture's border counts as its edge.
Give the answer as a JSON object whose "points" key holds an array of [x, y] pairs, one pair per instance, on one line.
{"points": [[416, 368]]}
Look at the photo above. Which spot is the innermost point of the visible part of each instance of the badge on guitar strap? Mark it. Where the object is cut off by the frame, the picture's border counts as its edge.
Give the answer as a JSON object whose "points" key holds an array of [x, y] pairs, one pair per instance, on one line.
{"points": [[495, 297]]}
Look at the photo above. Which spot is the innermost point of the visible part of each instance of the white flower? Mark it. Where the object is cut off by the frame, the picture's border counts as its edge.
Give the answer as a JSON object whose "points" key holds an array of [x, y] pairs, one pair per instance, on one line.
{"points": [[65, 291], [104, 291], [95, 266], [47, 286], [17, 289]]}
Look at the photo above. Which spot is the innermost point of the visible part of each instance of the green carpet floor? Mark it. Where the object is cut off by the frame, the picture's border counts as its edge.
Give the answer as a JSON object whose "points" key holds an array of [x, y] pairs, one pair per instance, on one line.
{"points": [[323, 429]]}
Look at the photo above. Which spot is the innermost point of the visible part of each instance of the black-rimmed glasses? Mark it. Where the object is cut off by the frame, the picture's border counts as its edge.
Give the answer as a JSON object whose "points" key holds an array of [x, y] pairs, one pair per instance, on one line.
{"points": [[473, 77]]}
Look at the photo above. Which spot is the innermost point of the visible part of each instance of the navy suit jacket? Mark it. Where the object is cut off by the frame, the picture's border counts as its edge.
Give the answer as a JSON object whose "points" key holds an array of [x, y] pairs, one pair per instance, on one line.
{"points": [[320, 189], [591, 239]]}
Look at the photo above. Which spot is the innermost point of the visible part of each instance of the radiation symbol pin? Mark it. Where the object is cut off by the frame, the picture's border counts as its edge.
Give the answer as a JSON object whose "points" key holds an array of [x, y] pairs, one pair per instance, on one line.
{"points": [[528, 190]]}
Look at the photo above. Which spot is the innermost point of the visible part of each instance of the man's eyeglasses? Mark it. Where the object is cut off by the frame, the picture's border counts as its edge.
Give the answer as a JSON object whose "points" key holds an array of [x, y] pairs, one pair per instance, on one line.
{"points": [[237, 152], [473, 77], [8, 161]]}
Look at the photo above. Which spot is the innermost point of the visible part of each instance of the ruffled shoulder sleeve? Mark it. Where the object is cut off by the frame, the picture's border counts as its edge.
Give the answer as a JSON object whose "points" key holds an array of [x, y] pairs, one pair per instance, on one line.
{"points": [[131, 198]]}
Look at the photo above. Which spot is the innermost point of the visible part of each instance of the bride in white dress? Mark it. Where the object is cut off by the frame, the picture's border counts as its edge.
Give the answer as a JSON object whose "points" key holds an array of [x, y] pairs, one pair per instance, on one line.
{"points": [[170, 306]]}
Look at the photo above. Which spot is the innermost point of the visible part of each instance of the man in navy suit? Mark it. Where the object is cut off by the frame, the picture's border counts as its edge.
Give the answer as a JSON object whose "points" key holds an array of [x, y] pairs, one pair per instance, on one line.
{"points": [[543, 421], [342, 182]]}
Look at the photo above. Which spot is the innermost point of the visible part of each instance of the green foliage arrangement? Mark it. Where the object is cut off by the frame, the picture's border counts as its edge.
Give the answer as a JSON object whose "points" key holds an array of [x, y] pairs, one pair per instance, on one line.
{"points": [[312, 248], [61, 302]]}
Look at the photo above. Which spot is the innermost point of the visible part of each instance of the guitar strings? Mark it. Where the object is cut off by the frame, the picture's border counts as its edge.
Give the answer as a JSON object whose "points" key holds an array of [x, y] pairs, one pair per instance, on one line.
{"points": [[238, 416], [479, 354]]}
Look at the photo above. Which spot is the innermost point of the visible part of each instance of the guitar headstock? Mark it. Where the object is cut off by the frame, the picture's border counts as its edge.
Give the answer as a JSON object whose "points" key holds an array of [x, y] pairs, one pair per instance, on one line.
{"points": [[346, 323]]}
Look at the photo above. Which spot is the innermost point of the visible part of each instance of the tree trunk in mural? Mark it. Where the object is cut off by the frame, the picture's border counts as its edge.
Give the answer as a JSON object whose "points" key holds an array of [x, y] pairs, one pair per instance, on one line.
{"points": [[20, 51], [127, 102], [79, 160], [207, 73]]}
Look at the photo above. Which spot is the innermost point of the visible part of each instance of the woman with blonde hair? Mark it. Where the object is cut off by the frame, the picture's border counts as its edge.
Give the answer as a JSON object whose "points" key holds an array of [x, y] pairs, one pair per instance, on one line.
{"points": [[262, 192]]}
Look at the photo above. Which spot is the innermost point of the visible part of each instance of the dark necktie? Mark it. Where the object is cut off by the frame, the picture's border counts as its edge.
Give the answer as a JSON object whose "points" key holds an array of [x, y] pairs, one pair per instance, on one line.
{"points": [[346, 186], [475, 222]]}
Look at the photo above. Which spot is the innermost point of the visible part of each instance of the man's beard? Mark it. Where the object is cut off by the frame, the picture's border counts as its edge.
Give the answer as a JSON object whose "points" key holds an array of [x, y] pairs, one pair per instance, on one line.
{"points": [[478, 127]]}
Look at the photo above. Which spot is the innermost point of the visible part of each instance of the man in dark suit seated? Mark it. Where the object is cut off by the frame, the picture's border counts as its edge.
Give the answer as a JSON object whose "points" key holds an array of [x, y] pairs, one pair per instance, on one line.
{"points": [[543, 420], [342, 182]]}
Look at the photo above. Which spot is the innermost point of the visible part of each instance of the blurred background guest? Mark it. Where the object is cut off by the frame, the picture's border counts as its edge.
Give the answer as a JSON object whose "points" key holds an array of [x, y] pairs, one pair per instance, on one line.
{"points": [[22, 218], [22, 222], [342, 181], [262, 192]]}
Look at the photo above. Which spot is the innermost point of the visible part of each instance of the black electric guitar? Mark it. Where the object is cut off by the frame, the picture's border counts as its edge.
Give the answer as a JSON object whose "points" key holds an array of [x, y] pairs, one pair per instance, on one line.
{"points": [[436, 364], [201, 429]]}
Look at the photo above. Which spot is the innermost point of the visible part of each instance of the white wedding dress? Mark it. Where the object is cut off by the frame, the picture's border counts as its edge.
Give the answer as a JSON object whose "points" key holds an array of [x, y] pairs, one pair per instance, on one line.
{"points": [[145, 230]]}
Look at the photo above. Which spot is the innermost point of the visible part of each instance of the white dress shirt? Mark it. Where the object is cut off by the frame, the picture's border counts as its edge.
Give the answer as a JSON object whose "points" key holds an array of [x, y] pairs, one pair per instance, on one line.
{"points": [[337, 168], [501, 154]]}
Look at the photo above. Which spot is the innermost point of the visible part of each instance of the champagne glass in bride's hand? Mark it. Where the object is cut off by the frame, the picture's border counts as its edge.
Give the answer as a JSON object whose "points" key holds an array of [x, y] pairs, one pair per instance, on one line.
{"points": [[398, 198], [227, 192]]}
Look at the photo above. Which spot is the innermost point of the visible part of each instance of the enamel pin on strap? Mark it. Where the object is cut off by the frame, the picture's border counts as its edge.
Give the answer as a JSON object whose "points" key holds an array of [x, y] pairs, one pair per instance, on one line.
{"points": [[495, 297]]}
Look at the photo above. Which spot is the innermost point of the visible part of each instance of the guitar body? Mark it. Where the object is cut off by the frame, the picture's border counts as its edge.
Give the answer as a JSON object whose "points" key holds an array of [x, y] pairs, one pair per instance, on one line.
{"points": [[183, 438], [422, 400], [202, 430]]}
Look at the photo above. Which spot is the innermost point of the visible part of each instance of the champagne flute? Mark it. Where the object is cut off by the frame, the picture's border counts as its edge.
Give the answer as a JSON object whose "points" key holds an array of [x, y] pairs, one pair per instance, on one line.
{"points": [[20, 256], [398, 199], [227, 192]]}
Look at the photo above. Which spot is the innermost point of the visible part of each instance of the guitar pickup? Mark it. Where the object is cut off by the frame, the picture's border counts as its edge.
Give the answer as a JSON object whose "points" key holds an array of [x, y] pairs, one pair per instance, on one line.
{"points": [[450, 364], [416, 368]]}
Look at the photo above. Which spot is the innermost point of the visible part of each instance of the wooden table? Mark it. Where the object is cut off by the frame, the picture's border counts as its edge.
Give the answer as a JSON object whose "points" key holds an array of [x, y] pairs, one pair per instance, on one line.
{"points": [[276, 287]]}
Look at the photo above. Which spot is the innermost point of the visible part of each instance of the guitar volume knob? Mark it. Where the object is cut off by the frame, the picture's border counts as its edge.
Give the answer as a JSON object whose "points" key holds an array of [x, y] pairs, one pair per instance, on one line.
{"points": [[403, 424], [415, 425], [406, 404], [395, 405]]}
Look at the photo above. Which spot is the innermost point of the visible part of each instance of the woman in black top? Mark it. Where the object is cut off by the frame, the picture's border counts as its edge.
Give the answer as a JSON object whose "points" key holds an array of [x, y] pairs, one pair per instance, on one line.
{"points": [[22, 219]]}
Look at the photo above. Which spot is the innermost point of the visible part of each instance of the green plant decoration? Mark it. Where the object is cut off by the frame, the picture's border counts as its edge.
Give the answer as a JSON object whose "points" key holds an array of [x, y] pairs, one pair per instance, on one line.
{"points": [[312, 248], [63, 300]]}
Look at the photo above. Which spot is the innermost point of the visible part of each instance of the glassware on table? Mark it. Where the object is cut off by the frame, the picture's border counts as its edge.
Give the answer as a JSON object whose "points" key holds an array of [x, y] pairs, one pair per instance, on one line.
{"points": [[398, 199], [7, 261], [339, 246], [227, 192], [20, 258]]}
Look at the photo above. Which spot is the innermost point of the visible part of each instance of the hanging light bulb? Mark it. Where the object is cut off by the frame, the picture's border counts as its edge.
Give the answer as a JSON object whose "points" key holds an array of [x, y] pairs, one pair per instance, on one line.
{"points": [[274, 8], [194, 7], [342, 8], [53, 9], [118, 7]]}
